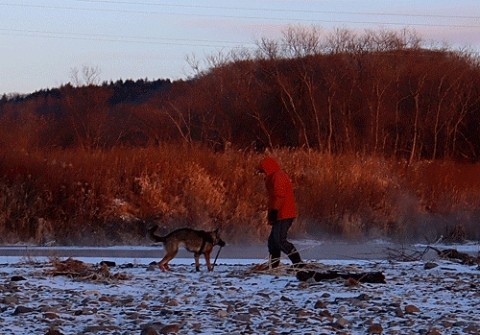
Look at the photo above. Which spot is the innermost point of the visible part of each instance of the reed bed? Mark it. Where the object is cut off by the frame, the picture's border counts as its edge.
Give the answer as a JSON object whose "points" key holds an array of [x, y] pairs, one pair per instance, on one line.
{"points": [[104, 197]]}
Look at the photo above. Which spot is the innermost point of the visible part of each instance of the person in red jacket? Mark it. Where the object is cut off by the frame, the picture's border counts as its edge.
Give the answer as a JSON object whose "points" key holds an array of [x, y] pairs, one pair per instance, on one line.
{"points": [[281, 211]]}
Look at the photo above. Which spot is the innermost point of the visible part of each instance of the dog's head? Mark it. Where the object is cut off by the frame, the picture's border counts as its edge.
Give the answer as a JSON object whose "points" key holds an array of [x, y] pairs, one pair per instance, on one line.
{"points": [[216, 238]]}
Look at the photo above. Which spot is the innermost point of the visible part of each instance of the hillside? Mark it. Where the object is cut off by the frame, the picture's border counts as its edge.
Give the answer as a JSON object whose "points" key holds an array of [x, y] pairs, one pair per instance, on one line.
{"points": [[379, 134], [395, 100]]}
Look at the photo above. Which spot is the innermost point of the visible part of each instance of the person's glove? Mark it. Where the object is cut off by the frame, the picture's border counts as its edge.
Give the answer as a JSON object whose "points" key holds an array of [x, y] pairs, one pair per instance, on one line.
{"points": [[272, 215]]}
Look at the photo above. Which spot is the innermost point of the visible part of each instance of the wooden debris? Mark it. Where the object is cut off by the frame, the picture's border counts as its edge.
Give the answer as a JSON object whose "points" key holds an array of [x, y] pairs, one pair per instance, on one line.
{"points": [[362, 277], [457, 256], [79, 270], [317, 272], [402, 254]]}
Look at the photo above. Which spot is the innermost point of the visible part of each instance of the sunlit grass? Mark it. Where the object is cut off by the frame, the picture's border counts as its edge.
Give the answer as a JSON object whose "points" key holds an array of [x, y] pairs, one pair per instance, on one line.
{"points": [[110, 197]]}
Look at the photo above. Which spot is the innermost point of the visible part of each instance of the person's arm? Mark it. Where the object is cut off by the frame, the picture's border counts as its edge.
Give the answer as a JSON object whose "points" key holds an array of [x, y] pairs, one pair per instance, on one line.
{"points": [[279, 195]]}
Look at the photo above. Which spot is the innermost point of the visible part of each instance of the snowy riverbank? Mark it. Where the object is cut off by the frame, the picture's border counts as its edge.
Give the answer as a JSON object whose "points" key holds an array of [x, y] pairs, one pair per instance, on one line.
{"points": [[440, 298]]}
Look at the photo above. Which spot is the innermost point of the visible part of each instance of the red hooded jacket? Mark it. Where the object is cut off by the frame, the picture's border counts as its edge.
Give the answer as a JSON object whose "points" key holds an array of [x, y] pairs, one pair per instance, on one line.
{"points": [[279, 189]]}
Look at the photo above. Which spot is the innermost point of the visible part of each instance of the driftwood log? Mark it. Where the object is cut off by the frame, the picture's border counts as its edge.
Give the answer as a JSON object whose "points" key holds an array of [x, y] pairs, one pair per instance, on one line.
{"points": [[363, 277], [83, 271], [314, 272], [457, 256]]}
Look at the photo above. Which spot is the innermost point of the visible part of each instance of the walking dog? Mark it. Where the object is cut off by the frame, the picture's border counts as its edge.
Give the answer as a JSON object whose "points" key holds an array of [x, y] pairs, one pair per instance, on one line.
{"points": [[197, 241]]}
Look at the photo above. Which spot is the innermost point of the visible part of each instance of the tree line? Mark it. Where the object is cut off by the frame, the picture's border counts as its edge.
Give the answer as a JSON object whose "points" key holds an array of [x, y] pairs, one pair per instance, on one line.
{"points": [[378, 93]]}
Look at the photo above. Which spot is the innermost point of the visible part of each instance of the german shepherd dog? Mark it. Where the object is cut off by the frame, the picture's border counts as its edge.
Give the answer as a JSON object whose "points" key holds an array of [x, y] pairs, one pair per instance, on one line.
{"points": [[197, 241]]}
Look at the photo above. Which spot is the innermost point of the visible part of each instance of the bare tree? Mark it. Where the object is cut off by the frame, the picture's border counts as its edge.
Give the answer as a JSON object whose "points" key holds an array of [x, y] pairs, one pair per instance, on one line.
{"points": [[310, 84], [87, 75], [267, 49], [301, 41], [181, 122], [340, 40], [194, 64], [416, 88], [289, 102]]}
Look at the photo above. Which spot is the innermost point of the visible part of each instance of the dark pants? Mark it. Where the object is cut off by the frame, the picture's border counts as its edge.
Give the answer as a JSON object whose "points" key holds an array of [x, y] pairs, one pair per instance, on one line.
{"points": [[277, 241]]}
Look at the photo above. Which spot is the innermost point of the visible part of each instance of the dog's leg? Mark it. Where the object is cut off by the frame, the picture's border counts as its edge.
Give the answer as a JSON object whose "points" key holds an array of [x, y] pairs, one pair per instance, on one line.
{"points": [[163, 265], [167, 258], [207, 261], [197, 262]]}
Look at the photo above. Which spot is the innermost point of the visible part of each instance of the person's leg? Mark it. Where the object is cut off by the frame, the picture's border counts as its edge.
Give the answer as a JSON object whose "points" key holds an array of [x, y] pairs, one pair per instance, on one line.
{"points": [[274, 248], [286, 246], [280, 235]]}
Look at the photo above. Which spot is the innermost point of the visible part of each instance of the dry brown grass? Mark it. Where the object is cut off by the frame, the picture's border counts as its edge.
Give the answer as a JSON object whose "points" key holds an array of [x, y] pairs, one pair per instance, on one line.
{"points": [[109, 197]]}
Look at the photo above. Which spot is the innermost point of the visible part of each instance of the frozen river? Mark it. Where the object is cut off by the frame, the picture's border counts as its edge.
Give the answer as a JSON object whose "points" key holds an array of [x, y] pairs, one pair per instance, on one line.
{"points": [[309, 249]]}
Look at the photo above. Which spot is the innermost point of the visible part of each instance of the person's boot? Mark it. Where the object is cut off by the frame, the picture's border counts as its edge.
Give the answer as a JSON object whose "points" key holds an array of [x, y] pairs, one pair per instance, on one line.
{"points": [[274, 260], [294, 256], [301, 275]]}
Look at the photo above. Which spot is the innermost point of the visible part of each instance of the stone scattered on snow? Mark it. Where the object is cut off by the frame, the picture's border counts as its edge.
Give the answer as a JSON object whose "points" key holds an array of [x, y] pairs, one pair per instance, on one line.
{"points": [[232, 299]]}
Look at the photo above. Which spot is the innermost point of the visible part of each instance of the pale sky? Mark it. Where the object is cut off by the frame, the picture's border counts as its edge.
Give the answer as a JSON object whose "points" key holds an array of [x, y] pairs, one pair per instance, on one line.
{"points": [[42, 41]]}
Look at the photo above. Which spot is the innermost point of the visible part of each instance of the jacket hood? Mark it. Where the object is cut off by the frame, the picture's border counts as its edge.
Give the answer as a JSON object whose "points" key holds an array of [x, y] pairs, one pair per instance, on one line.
{"points": [[269, 165]]}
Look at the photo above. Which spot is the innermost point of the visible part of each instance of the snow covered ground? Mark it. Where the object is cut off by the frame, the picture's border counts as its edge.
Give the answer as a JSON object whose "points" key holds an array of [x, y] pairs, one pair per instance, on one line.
{"points": [[134, 297]]}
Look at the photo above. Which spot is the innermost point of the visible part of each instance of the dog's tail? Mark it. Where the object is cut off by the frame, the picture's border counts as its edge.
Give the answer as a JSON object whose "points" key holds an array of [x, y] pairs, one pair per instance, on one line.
{"points": [[155, 238]]}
